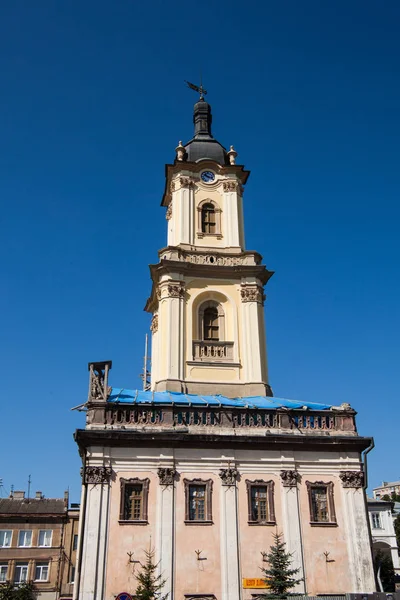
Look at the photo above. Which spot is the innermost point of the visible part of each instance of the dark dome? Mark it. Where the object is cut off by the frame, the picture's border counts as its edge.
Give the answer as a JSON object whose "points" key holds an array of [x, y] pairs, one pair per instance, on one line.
{"points": [[203, 146]]}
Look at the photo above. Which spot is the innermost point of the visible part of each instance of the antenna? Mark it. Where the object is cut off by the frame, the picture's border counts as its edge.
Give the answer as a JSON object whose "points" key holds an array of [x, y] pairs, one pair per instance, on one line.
{"points": [[29, 486], [145, 376]]}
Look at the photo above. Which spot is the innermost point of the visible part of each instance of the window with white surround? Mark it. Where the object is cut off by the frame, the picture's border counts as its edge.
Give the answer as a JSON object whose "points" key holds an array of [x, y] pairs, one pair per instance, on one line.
{"points": [[42, 571], [376, 520], [45, 536], [25, 538], [3, 572], [5, 538], [75, 542], [21, 573], [72, 575]]}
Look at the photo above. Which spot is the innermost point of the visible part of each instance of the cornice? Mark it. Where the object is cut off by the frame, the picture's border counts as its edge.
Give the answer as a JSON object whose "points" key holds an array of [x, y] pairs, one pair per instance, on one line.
{"points": [[120, 438], [196, 167]]}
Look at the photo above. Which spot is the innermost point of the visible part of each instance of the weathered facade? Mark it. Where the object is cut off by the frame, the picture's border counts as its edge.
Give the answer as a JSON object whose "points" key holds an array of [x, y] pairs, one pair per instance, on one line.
{"points": [[37, 541], [207, 465]]}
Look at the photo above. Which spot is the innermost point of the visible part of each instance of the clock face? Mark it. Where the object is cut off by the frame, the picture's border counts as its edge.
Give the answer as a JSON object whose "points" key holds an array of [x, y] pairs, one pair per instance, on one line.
{"points": [[207, 176]]}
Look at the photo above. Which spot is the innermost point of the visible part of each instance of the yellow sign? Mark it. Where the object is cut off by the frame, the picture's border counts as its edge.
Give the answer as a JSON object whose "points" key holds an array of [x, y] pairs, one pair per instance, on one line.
{"points": [[255, 583]]}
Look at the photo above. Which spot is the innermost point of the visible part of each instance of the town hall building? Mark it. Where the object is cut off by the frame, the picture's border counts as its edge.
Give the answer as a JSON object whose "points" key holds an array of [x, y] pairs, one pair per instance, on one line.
{"points": [[207, 465]]}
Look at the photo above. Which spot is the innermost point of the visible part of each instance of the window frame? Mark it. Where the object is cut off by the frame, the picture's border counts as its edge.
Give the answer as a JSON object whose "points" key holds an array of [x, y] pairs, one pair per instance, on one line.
{"points": [[24, 532], [217, 212], [145, 483], [3, 565], [5, 531], [42, 564], [51, 538], [21, 565], [71, 577], [376, 514], [328, 485], [258, 483], [75, 541], [208, 484], [221, 320]]}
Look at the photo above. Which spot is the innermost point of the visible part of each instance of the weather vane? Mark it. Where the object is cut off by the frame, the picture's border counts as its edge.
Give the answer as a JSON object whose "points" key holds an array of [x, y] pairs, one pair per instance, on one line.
{"points": [[197, 88]]}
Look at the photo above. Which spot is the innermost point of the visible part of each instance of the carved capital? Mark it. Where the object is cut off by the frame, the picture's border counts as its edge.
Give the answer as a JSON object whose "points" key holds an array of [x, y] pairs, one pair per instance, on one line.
{"points": [[185, 182], [252, 293], [168, 214], [290, 478], [352, 479], [166, 475], [154, 324], [172, 186], [230, 186], [97, 475], [229, 476], [175, 290], [158, 293]]}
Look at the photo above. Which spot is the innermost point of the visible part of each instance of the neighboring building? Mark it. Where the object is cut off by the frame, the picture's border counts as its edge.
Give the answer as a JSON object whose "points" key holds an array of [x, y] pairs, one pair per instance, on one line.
{"points": [[207, 465], [386, 489], [33, 532], [70, 548], [382, 530]]}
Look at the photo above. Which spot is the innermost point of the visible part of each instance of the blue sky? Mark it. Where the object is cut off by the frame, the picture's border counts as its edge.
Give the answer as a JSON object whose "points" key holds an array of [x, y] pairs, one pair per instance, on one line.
{"points": [[92, 106]]}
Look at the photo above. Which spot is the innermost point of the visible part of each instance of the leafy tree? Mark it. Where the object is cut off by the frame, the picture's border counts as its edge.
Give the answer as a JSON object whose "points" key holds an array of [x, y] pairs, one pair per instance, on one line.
{"points": [[384, 567], [392, 498], [12, 591], [149, 583], [279, 576]]}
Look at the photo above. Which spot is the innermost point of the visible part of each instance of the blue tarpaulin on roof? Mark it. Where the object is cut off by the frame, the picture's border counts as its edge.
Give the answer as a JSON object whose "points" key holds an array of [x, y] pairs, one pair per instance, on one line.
{"points": [[186, 400]]}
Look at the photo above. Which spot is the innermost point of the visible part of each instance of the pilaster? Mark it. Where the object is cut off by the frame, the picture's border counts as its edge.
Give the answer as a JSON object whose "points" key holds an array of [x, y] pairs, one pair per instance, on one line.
{"points": [[229, 545], [254, 352], [166, 527], [292, 525]]}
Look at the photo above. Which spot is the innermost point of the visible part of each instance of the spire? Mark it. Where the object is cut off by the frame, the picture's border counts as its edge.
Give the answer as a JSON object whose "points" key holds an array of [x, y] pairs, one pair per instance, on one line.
{"points": [[202, 119]]}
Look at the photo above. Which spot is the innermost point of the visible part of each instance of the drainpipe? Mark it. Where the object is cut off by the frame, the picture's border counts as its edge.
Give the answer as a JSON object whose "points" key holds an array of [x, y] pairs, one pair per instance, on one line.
{"points": [[364, 464]]}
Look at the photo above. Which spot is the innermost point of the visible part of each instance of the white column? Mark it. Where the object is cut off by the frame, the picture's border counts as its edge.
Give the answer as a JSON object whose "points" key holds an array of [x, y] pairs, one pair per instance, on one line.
{"points": [[292, 533], [251, 353], [230, 230], [95, 540], [358, 542], [230, 582], [165, 501], [174, 330]]}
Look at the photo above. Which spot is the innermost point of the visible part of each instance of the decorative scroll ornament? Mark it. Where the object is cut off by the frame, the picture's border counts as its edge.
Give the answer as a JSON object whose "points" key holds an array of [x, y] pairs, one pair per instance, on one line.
{"points": [[185, 182], [97, 475], [352, 479], [229, 476], [290, 478], [175, 290], [168, 214], [154, 324], [230, 186], [166, 476], [252, 293]]}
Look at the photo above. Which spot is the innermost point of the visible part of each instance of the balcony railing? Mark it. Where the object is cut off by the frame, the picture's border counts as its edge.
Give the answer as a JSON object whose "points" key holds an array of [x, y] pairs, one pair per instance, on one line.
{"points": [[212, 351]]}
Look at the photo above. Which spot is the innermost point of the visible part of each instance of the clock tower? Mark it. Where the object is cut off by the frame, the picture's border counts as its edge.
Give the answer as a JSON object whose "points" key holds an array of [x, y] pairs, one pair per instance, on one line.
{"points": [[208, 332]]}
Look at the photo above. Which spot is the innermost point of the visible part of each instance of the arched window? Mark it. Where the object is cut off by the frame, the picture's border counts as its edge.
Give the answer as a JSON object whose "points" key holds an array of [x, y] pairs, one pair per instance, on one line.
{"points": [[211, 324], [208, 219]]}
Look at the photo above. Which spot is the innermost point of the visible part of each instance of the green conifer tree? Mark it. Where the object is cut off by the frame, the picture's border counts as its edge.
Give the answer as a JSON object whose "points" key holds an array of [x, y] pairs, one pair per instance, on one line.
{"points": [[149, 583], [278, 575], [20, 591]]}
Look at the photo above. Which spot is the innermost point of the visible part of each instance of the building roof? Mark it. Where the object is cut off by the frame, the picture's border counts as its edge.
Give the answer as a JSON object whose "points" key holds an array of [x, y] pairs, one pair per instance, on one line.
{"points": [[203, 145], [386, 484], [186, 400], [32, 506]]}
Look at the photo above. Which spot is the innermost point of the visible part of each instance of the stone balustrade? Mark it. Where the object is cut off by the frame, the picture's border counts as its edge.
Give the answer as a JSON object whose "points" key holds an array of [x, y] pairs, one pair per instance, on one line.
{"points": [[212, 351]]}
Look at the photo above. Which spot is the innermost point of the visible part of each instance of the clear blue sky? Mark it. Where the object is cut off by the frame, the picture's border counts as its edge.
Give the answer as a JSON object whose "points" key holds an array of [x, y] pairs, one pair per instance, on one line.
{"points": [[92, 106]]}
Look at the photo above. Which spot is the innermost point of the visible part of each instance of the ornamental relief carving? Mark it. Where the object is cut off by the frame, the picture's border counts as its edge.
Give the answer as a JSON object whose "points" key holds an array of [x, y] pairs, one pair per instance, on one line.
{"points": [[290, 478], [154, 324], [185, 182], [175, 290], [230, 186], [252, 293], [352, 479], [168, 214], [166, 475], [96, 475], [212, 259], [229, 476]]}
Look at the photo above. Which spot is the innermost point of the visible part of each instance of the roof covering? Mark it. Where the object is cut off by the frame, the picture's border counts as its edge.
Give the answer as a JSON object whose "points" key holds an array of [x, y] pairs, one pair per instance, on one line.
{"points": [[203, 146], [32, 506], [186, 400]]}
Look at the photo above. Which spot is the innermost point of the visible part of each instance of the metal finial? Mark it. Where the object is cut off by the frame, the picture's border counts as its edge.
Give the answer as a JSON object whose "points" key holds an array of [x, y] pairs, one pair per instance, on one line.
{"points": [[197, 88]]}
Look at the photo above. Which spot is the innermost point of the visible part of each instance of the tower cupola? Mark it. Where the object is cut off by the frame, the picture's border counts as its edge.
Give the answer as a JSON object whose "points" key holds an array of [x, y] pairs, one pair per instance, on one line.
{"points": [[203, 146]]}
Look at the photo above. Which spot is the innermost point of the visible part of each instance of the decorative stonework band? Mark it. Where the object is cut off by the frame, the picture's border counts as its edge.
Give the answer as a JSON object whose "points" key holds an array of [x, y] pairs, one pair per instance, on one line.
{"points": [[166, 475], [290, 478], [352, 479], [229, 476], [97, 475], [252, 293]]}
